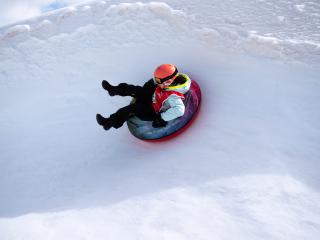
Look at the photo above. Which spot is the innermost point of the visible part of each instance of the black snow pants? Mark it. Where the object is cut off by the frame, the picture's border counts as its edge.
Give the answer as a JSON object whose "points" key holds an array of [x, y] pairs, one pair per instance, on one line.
{"points": [[142, 107]]}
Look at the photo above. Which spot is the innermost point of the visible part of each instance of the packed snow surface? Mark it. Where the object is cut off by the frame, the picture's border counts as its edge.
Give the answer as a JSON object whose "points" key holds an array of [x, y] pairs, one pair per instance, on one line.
{"points": [[248, 167]]}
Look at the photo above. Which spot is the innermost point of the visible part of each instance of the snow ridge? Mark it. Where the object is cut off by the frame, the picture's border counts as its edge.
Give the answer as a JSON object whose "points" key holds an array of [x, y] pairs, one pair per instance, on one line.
{"points": [[231, 38]]}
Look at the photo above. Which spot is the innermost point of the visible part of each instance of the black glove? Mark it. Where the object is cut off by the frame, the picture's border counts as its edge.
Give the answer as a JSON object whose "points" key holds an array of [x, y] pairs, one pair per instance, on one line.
{"points": [[159, 122]]}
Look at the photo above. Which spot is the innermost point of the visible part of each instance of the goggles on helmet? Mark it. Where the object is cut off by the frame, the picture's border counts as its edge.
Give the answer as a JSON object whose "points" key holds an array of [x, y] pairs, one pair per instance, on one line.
{"points": [[162, 80]]}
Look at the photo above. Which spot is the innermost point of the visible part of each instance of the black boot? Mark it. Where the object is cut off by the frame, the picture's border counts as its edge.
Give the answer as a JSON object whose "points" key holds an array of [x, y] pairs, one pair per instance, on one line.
{"points": [[112, 90], [105, 122]]}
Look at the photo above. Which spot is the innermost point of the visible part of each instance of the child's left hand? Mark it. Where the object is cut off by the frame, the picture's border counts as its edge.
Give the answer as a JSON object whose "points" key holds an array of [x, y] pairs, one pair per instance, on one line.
{"points": [[159, 122]]}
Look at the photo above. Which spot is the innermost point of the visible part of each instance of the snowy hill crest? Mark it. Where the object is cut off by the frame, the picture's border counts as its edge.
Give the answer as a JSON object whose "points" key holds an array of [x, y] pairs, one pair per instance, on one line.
{"points": [[229, 37]]}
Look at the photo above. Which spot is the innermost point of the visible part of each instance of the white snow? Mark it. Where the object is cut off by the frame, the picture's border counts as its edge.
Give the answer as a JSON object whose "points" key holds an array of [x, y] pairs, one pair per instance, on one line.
{"points": [[248, 167], [300, 7]]}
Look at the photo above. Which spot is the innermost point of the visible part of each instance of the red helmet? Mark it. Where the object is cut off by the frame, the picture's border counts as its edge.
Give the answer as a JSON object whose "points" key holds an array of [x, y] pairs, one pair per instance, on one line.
{"points": [[165, 72]]}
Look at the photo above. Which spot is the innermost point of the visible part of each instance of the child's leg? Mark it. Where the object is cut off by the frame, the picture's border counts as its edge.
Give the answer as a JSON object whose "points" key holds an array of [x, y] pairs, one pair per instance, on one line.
{"points": [[144, 112], [124, 89]]}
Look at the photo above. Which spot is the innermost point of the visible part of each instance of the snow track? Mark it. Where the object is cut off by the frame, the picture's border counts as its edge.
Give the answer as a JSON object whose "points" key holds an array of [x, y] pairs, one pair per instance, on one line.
{"points": [[247, 167]]}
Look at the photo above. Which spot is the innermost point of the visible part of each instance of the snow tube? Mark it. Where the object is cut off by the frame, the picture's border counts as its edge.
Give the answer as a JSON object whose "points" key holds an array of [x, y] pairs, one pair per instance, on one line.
{"points": [[144, 130]]}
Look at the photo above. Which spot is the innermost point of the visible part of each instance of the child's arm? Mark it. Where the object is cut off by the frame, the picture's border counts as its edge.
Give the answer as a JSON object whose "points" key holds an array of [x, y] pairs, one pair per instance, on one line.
{"points": [[176, 109]]}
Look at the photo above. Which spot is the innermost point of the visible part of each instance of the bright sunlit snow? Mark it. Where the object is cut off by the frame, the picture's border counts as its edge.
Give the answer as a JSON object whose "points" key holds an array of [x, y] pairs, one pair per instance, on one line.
{"points": [[248, 167], [12, 11]]}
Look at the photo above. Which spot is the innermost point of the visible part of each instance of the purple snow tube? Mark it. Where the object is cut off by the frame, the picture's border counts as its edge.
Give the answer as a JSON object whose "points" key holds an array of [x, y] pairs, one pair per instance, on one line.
{"points": [[144, 130]]}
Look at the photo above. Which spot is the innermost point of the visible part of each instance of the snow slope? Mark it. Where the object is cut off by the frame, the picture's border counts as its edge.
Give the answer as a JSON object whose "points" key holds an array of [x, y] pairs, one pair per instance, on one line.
{"points": [[248, 166]]}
